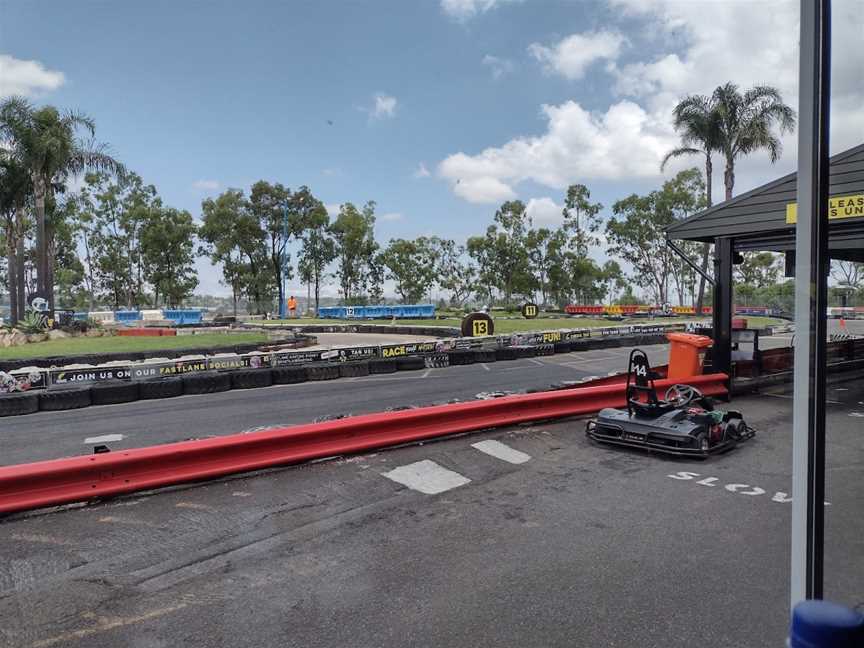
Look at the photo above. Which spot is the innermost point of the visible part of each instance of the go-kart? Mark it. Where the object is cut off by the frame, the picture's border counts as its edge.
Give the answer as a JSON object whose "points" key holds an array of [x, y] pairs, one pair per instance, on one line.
{"points": [[684, 422]]}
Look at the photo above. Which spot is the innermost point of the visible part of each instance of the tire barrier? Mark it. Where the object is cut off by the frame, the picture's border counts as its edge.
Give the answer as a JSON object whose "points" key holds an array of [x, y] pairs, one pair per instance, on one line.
{"points": [[112, 393], [524, 351], [285, 363], [485, 355], [64, 399], [251, 379], [410, 363], [506, 353], [19, 403], [207, 382], [460, 358], [437, 361], [289, 375], [160, 388], [354, 369], [382, 366], [544, 349], [322, 372], [76, 479]]}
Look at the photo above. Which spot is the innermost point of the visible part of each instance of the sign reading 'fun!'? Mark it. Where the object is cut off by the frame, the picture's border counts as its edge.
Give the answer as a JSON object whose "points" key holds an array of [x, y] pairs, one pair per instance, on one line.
{"points": [[839, 207]]}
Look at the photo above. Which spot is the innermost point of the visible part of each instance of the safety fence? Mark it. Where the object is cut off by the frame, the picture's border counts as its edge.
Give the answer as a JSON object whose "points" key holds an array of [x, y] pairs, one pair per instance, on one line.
{"points": [[76, 479], [434, 352]]}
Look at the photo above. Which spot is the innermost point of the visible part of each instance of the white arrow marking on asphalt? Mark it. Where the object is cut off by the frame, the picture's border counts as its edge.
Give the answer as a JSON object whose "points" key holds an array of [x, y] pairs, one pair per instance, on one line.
{"points": [[781, 497], [501, 451], [708, 481], [683, 475], [108, 438]]}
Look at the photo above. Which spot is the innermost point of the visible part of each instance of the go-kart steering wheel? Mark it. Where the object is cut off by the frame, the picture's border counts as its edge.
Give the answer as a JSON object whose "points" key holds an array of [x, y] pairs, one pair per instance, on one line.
{"points": [[682, 395]]}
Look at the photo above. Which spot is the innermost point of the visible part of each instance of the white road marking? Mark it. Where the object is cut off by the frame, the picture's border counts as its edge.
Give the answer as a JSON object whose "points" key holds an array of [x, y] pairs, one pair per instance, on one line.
{"points": [[501, 451], [537, 362], [781, 497], [108, 438], [426, 373], [485, 366], [708, 481], [427, 477], [855, 414]]}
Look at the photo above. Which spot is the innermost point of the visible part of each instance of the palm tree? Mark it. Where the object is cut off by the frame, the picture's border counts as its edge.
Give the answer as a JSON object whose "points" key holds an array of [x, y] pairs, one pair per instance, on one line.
{"points": [[696, 119], [15, 189], [747, 123], [45, 141]]}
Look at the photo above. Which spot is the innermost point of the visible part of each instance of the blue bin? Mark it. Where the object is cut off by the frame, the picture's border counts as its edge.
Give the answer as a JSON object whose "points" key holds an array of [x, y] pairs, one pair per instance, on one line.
{"points": [[822, 624], [127, 316]]}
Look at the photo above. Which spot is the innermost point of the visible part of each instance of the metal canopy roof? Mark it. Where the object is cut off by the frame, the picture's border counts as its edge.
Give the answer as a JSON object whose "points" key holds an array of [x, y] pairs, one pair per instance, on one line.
{"points": [[757, 219]]}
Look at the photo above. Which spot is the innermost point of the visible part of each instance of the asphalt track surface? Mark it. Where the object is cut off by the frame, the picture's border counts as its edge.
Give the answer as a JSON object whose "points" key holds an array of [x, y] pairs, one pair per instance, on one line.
{"points": [[50, 435], [579, 545], [575, 544]]}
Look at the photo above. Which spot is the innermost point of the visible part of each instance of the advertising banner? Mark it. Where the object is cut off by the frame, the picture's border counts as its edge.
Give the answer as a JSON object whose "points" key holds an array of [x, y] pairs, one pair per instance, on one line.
{"points": [[20, 381], [412, 348], [287, 358], [164, 369], [246, 361], [67, 377], [355, 353]]}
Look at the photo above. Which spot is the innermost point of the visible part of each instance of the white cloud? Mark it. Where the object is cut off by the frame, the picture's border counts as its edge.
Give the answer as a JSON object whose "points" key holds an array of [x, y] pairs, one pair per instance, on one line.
{"points": [[422, 171], [571, 56], [544, 212], [390, 217], [500, 67], [624, 142], [206, 185], [384, 107], [26, 78], [695, 47], [465, 9]]}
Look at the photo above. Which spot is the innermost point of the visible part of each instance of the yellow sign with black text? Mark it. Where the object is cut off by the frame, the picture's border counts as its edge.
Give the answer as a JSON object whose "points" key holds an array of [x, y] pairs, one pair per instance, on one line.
{"points": [[838, 208]]}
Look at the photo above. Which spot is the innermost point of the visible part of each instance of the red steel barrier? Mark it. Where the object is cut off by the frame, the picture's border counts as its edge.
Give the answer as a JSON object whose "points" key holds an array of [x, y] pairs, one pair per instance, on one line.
{"points": [[75, 479]]}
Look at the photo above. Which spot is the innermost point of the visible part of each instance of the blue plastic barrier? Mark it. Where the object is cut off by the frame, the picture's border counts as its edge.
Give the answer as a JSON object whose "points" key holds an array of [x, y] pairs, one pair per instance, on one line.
{"points": [[183, 315], [127, 316], [410, 311], [81, 317], [822, 624]]}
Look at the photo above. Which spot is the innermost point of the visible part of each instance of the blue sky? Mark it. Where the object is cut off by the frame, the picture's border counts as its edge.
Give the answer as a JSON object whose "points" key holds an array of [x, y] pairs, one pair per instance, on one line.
{"points": [[200, 96]]}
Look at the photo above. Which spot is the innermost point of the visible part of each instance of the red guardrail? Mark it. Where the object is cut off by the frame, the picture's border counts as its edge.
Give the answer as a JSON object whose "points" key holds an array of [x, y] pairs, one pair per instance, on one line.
{"points": [[75, 479]]}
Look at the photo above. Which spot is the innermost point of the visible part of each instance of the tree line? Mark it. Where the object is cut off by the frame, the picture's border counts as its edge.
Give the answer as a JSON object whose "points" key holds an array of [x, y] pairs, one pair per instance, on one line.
{"points": [[113, 242]]}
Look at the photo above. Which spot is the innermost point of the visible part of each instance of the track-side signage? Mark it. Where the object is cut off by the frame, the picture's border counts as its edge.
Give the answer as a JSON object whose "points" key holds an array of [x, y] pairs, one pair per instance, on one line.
{"points": [[838, 208], [296, 357], [477, 325], [412, 348], [87, 376], [251, 361], [530, 311]]}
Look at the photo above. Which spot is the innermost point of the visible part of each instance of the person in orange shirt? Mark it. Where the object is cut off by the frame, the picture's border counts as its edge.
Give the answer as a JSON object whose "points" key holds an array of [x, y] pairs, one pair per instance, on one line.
{"points": [[292, 307]]}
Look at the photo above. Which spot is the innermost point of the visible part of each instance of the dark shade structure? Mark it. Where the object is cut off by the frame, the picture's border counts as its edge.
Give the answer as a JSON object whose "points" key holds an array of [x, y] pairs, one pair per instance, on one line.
{"points": [[759, 220], [756, 220]]}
